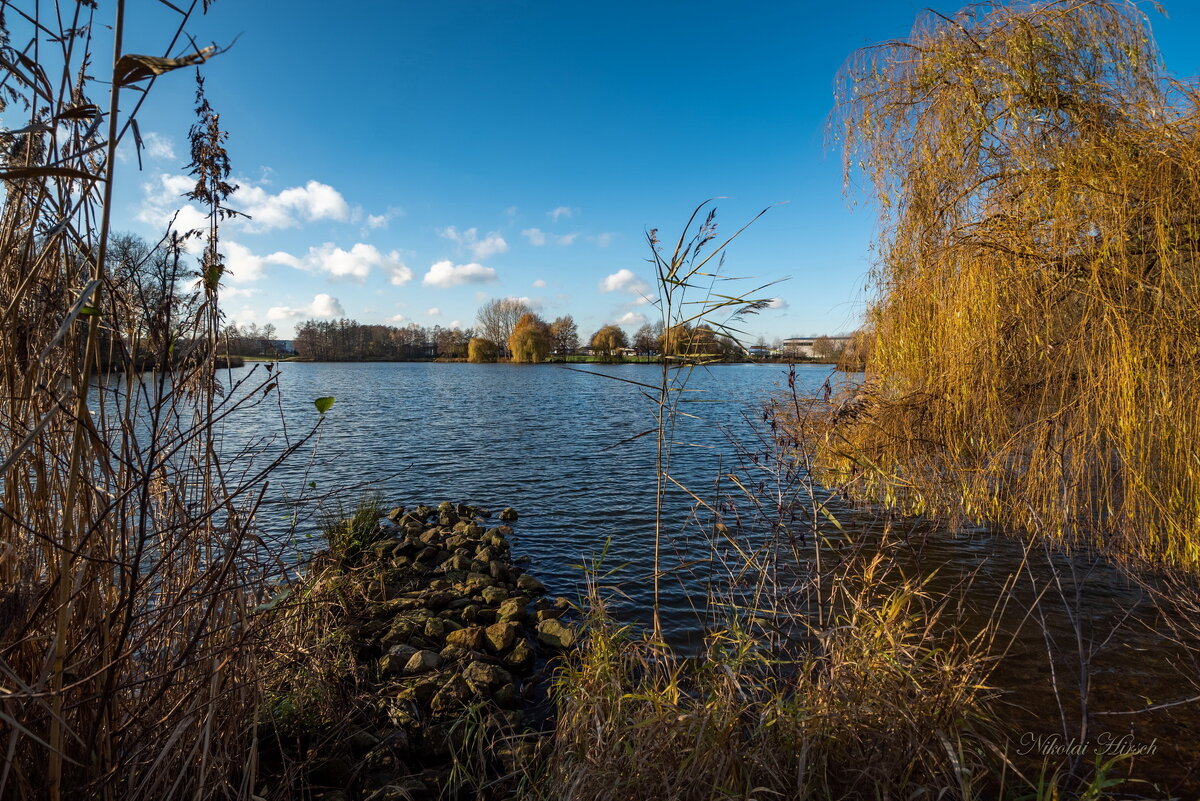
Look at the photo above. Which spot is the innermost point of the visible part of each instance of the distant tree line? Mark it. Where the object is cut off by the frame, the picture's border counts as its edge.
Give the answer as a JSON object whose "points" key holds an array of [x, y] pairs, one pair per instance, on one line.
{"points": [[348, 340], [507, 329], [249, 340]]}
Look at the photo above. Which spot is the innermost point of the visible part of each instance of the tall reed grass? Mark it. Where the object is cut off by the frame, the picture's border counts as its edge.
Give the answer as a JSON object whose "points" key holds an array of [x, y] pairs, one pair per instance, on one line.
{"points": [[129, 564]]}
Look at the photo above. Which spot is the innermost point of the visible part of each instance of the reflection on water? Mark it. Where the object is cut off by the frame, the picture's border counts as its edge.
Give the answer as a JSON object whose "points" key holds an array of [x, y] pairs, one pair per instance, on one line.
{"points": [[541, 439]]}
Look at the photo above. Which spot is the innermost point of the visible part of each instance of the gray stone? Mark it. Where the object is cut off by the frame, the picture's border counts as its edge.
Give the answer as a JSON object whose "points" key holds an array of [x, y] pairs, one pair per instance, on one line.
{"points": [[482, 677], [527, 583], [512, 609], [396, 658], [494, 595], [422, 662], [500, 636], [555, 634], [520, 657], [470, 638]]}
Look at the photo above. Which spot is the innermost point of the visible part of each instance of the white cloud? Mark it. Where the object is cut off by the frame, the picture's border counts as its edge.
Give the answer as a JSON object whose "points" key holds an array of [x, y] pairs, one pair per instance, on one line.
{"points": [[481, 249], [777, 303], [538, 284], [241, 266], [455, 324], [354, 264], [397, 318], [158, 146], [377, 220], [536, 236], [533, 303], [311, 202], [623, 280], [604, 240], [632, 318], [286, 209], [239, 292], [322, 306], [561, 211], [161, 199], [447, 274], [433, 312]]}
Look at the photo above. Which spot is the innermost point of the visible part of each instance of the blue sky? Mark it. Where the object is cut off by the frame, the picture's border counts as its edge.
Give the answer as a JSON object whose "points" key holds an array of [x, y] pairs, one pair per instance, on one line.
{"points": [[405, 162]]}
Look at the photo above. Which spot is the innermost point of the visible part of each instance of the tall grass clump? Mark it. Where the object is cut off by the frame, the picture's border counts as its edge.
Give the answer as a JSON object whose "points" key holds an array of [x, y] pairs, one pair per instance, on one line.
{"points": [[131, 575], [1032, 346], [876, 706]]}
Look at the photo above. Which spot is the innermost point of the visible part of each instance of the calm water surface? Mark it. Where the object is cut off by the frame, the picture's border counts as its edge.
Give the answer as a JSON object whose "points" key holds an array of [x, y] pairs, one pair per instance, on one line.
{"points": [[543, 439]]}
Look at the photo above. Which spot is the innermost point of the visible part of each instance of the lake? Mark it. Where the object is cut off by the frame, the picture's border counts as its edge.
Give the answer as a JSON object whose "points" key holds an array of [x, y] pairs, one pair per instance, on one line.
{"points": [[543, 439]]}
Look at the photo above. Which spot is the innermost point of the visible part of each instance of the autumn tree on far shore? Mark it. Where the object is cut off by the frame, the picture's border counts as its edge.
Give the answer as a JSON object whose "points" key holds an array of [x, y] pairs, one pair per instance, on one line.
{"points": [[645, 340], [564, 336], [530, 340], [481, 350], [608, 341], [498, 317]]}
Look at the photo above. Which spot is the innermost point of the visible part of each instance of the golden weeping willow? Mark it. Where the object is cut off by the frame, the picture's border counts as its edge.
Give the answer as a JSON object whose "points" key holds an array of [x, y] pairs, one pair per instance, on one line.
{"points": [[1034, 342]]}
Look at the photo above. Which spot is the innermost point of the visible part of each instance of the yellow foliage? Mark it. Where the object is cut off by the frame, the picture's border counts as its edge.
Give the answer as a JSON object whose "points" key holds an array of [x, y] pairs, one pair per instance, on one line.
{"points": [[530, 340], [1033, 348], [480, 350]]}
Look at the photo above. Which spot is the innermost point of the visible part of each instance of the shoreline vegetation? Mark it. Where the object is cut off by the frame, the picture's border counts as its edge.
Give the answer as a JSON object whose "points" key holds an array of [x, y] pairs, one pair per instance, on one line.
{"points": [[1031, 363]]}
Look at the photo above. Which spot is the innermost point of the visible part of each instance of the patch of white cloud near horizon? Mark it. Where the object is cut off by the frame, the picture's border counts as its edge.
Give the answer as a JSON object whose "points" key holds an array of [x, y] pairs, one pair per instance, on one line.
{"points": [[445, 274], [397, 318], [534, 304], [322, 305], [354, 264], [481, 249], [632, 318], [623, 280], [538, 284], [455, 324], [433, 312], [561, 211]]}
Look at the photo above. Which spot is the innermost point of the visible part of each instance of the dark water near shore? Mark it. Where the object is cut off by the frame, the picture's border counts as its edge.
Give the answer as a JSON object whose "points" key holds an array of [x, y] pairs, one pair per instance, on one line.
{"points": [[541, 439]]}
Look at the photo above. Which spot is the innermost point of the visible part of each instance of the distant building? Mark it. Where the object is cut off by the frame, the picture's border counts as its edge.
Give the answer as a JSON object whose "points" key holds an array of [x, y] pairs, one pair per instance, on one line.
{"points": [[807, 347]]}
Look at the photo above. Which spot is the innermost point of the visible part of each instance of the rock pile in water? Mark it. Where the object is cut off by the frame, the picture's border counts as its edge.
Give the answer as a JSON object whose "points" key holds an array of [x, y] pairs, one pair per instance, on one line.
{"points": [[454, 638]]}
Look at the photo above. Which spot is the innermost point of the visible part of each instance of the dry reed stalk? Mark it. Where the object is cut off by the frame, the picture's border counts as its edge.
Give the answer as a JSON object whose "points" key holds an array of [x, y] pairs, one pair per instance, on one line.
{"points": [[131, 570]]}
